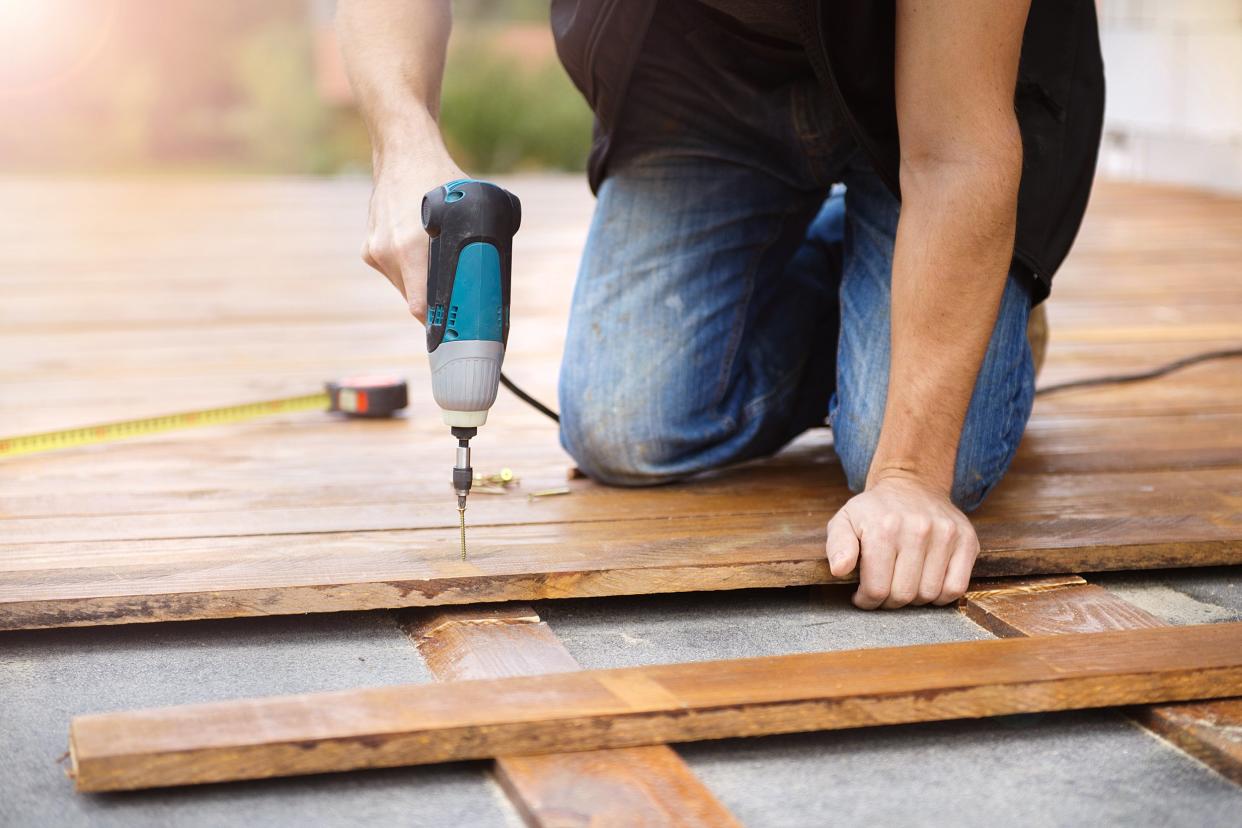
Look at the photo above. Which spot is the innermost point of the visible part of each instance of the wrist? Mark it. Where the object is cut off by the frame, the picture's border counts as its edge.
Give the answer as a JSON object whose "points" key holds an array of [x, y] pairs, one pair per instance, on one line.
{"points": [[409, 133], [910, 471]]}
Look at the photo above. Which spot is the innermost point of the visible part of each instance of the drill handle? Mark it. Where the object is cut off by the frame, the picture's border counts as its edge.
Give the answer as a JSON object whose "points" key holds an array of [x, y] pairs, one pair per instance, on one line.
{"points": [[467, 216]]}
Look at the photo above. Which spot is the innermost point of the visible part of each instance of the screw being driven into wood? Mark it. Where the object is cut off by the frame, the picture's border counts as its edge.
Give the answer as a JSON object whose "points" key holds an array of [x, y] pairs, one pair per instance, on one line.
{"points": [[463, 478]]}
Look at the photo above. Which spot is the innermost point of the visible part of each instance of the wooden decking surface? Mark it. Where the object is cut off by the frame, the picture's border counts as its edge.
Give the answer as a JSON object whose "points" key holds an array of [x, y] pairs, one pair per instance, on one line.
{"points": [[128, 299]]}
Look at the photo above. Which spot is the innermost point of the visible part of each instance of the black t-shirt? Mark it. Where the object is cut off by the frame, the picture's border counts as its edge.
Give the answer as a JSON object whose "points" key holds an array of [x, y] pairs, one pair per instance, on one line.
{"points": [[777, 19]]}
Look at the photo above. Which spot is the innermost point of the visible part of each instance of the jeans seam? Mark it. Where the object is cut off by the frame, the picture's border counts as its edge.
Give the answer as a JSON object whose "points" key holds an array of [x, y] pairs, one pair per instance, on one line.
{"points": [[735, 336], [1008, 441]]}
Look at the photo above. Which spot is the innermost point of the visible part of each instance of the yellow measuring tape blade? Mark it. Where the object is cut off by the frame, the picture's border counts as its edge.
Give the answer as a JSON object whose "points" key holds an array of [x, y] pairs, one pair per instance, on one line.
{"points": [[107, 432]]}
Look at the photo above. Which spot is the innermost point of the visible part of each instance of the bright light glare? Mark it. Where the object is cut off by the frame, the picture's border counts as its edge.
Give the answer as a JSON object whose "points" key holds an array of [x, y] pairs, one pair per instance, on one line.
{"points": [[23, 23], [44, 42]]}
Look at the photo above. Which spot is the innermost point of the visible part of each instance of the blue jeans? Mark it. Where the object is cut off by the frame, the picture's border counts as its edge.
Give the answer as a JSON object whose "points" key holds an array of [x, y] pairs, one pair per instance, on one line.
{"points": [[729, 299]]}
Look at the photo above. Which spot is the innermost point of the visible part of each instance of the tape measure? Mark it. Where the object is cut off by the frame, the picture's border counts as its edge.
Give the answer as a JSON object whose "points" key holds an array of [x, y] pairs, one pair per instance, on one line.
{"points": [[354, 397]]}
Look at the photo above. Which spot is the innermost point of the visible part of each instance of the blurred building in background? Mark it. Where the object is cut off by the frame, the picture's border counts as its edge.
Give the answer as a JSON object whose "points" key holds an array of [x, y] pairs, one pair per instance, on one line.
{"points": [[1174, 70], [121, 86]]}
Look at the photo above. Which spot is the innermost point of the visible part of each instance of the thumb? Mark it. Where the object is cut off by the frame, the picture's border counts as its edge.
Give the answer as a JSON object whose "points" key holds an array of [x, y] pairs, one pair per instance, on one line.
{"points": [[842, 545]]}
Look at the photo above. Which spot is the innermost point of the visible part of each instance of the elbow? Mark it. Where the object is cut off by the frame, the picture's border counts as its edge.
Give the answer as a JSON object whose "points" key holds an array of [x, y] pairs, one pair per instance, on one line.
{"points": [[986, 160], [975, 178]]}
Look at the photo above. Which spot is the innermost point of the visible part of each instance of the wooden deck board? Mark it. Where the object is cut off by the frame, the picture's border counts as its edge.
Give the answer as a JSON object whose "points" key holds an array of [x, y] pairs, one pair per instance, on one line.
{"points": [[648, 785], [1210, 731], [597, 709], [310, 513]]}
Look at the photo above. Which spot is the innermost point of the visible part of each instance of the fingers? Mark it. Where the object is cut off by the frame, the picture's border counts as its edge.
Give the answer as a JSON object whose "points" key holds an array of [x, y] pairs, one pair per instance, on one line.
{"points": [[913, 540], [909, 544], [404, 264], [878, 548], [414, 273], [943, 541], [377, 257], [842, 546], [957, 577]]}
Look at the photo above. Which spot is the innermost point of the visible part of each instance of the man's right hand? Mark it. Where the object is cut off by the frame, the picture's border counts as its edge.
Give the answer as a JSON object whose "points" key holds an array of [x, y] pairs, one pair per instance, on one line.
{"points": [[394, 53], [396, 243]]}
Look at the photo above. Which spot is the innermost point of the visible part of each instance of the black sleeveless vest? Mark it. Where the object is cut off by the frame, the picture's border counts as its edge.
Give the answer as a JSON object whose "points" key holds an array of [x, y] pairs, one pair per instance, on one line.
{"points": [[1059, 99]]}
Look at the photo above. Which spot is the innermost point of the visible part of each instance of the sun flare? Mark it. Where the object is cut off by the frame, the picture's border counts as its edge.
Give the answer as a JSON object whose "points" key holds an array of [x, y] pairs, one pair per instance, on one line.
{"points": [[44, 43]]}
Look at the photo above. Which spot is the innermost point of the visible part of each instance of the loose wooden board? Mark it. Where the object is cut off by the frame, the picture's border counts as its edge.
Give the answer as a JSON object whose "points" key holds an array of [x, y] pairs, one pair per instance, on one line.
{"points": [[638, 786], [59, 585], [597, 709], [1209, 731]]}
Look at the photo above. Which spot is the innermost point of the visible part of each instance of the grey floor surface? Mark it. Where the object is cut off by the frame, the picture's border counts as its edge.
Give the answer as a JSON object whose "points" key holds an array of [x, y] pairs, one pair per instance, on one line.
{"points": [[49, 676], [1065, 769]]}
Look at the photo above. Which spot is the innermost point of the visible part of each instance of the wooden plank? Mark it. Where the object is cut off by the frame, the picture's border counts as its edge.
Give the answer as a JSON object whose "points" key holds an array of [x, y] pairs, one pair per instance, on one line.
{"points": [[316, 473], [1091, 445], [55, 585], [1209, 731], [1051, 606], [648, 785], [597, 709], [312, 514]]}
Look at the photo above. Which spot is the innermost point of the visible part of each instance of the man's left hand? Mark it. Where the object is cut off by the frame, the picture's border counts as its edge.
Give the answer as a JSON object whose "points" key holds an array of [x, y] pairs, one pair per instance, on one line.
{"points": [[911, 544]]}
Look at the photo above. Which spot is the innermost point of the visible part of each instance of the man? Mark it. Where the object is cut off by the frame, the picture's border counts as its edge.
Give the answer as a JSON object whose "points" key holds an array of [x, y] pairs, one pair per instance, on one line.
{"points": [[729, 297]]}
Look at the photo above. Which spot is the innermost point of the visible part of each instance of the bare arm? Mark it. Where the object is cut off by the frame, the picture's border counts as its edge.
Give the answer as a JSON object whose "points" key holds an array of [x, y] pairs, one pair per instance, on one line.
{"points": [[961, 163], [394, 53]]}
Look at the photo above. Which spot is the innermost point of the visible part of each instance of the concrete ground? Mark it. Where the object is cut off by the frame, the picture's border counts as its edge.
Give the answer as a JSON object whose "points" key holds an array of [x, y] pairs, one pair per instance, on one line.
{"points": [[1064, 769]]}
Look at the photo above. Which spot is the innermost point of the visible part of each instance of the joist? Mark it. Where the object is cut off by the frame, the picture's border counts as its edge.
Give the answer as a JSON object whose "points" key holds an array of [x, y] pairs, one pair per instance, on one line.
{"points": [[1209, 731], [637, 786], [605, 709]]}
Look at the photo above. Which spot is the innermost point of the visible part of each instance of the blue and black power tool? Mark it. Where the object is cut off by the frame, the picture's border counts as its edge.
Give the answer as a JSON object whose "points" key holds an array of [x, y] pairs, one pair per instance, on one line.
{"points": [[471, 225]]}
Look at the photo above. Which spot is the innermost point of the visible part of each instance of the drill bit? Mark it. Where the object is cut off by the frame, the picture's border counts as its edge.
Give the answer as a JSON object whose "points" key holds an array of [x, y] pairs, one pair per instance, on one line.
{"points": [[461, 519], [463, 477]]}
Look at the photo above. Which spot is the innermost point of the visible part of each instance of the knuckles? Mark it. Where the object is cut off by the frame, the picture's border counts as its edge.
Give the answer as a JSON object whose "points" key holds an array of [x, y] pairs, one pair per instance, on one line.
{"points": [[900, 596]]}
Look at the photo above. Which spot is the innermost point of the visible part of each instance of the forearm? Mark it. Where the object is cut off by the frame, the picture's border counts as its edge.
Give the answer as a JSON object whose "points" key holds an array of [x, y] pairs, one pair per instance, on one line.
{"points": [[394, 54], [951, 258]]}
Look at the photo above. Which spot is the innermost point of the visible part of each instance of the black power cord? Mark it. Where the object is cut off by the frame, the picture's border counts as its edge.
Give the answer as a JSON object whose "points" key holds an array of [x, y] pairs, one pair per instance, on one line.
{"points": [[1089, 382], [1121, 379], [528, 399]]}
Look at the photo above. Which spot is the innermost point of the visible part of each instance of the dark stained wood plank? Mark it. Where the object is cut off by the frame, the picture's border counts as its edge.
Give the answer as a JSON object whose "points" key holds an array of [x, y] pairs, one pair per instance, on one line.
{"points": [[638, 786], [591, 710], [1209, 731]]}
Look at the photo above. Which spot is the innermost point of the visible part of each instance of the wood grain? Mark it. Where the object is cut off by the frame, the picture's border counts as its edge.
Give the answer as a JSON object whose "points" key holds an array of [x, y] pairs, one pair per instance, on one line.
{"points": [[1209, 731], [597, 709], [311, 513], [638, 786], [56, 585]]}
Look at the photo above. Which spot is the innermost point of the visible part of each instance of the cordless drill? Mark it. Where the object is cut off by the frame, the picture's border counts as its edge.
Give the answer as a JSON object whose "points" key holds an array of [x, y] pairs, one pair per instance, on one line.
{"points": [[471, 225]]}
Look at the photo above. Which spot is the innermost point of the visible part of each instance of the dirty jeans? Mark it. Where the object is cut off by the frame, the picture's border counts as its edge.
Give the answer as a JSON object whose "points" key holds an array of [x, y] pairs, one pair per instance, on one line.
{"points": [[730, 296]]}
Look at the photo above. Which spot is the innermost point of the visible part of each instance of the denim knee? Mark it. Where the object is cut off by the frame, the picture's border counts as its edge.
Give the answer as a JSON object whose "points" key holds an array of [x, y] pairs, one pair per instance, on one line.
{"points": [[613, 445]]}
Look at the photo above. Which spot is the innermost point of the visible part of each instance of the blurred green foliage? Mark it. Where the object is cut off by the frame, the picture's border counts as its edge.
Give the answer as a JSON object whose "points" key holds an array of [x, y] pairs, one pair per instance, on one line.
{"points": [[233, 85], [498, 114]]}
